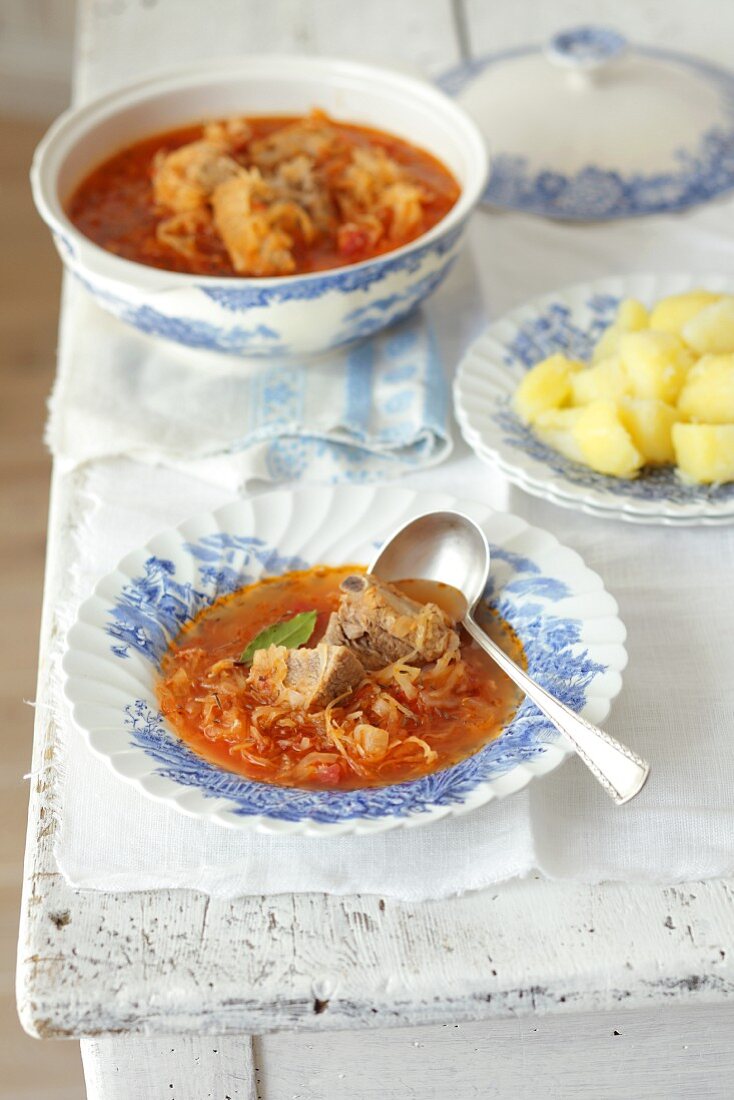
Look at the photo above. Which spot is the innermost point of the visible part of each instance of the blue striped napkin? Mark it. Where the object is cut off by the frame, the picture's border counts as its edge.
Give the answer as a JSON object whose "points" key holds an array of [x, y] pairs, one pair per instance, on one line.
{"points": [[377, 409]]}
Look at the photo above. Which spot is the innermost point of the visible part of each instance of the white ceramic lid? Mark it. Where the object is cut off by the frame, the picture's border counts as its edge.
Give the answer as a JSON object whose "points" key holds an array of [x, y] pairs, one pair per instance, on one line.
{"points": [[589, 127]]}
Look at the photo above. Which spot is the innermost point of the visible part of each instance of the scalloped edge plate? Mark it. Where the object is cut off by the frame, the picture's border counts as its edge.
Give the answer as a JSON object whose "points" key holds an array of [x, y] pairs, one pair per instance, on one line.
{"points": [[567, 620], [568, 320]]}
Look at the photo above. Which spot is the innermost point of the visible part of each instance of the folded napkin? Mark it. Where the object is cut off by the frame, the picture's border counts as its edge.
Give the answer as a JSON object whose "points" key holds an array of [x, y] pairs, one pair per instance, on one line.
{"points": [[676, 592], [377, 409]]}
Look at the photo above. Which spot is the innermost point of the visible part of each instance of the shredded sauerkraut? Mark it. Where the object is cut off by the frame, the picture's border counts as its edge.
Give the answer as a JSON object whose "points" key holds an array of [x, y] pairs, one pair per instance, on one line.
{"points": [[363, 733], [397, 723], [265, 197]]}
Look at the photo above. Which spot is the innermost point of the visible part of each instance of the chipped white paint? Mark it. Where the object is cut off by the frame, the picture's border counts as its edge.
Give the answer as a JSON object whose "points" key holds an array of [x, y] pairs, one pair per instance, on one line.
{"points": [[167, 963], [181, 1068], [605, 1055]]}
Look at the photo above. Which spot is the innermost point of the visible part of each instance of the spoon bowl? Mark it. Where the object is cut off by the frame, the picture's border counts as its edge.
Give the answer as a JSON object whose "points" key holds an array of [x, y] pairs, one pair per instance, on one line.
{"points": [[449, 549]]}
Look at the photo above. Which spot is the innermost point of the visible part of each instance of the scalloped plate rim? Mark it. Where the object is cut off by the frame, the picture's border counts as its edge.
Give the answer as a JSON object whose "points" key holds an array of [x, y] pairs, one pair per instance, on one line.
{"points": [[539, 491], [552, 755]]}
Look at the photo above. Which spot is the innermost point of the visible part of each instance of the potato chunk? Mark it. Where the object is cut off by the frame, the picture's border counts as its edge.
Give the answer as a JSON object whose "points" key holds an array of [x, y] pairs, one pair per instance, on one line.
{"points": [[704, 452], [708, 393], [555, 427], [656, 364], [545, 386], [671, 314], [631, 317], [649, 423], [711, 332], [604, 442], [606, 380], [658, 391]]}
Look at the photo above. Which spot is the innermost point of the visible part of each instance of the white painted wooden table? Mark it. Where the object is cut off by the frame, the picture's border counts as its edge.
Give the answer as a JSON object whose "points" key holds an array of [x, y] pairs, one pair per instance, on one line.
{"points": [[530, 988]]}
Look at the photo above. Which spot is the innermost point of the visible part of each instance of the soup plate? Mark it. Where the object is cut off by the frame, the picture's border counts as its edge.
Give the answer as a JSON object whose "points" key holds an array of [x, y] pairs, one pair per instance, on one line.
{"points": [[567, 623], [283, 316]]}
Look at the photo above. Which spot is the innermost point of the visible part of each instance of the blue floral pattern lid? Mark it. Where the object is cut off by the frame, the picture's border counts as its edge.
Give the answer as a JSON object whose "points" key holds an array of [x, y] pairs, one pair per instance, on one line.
{"points": [[590, 128]]}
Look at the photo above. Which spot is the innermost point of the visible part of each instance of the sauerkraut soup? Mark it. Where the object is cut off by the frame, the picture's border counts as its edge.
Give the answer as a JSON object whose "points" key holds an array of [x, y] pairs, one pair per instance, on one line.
{"points": [[328, 678], [261, 197]]}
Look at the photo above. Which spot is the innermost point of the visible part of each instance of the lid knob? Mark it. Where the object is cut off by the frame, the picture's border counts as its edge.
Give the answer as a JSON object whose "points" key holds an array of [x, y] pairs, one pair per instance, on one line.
{"points": [[582, 49]]}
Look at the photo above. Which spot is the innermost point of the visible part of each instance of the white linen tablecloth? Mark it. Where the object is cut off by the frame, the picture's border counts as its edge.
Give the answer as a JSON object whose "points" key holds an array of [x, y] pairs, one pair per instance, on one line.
{"points": [[676, 594]]}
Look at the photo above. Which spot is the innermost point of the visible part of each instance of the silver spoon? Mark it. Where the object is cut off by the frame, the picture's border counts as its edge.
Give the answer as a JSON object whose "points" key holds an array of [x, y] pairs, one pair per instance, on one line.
{"points": [[450, 548]]}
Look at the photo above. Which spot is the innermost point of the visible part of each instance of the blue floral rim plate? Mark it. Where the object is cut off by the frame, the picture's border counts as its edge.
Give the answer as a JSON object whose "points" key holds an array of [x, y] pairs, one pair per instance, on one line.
{"points": [[570, 321], [568, 623]]}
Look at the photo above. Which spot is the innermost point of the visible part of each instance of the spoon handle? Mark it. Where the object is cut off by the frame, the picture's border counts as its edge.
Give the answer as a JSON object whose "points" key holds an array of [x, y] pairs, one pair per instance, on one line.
{"points": [[620, 771]]}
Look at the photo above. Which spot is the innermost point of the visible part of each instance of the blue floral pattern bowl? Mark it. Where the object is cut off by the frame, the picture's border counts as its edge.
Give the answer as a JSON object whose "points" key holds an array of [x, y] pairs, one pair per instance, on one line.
{"points": [[573, 639], [570, 321], [275, 317]]}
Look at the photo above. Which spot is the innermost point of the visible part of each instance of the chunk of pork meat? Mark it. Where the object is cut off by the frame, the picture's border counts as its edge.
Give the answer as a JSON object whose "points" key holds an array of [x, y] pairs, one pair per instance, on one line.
{"points": [[318, 675], [381, 625]]}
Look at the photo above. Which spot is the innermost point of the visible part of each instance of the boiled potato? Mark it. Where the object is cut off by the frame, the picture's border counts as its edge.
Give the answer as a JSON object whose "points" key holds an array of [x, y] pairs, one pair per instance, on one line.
{"points": [[547, 385], [704, 452], [604, 442], [592, 435], [649, 423], [671, 314], [656, 364], [631, 317], [712, 330], [606, 345], [606, 380], [708, 393], [555, 427], [659, 390]]}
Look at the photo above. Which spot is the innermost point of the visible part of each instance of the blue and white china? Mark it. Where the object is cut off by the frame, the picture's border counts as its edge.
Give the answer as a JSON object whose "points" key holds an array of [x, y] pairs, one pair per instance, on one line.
{"points": [[570, 321], [568, 623], [273, 317], [590, 127]]}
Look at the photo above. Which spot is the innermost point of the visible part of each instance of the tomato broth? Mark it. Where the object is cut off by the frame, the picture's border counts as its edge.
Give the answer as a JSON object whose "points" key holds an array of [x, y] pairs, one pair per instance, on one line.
{"points": [[276, 196], [446, 715]]}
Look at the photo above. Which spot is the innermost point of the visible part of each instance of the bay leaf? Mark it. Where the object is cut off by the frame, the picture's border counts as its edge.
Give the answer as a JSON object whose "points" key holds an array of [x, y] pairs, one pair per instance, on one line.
{"points": [[288, 632]]}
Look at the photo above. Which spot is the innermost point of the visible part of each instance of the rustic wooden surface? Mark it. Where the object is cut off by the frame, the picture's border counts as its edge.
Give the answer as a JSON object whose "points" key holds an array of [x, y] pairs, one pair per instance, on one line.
{"points": [[651, 1055], [618, 1055], [189, 1068], [153, 964], [29, 304]]}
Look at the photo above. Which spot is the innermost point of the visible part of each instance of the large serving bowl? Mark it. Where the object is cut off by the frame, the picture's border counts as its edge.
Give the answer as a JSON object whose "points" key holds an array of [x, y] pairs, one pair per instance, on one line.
{"points": [[286, 315]]}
